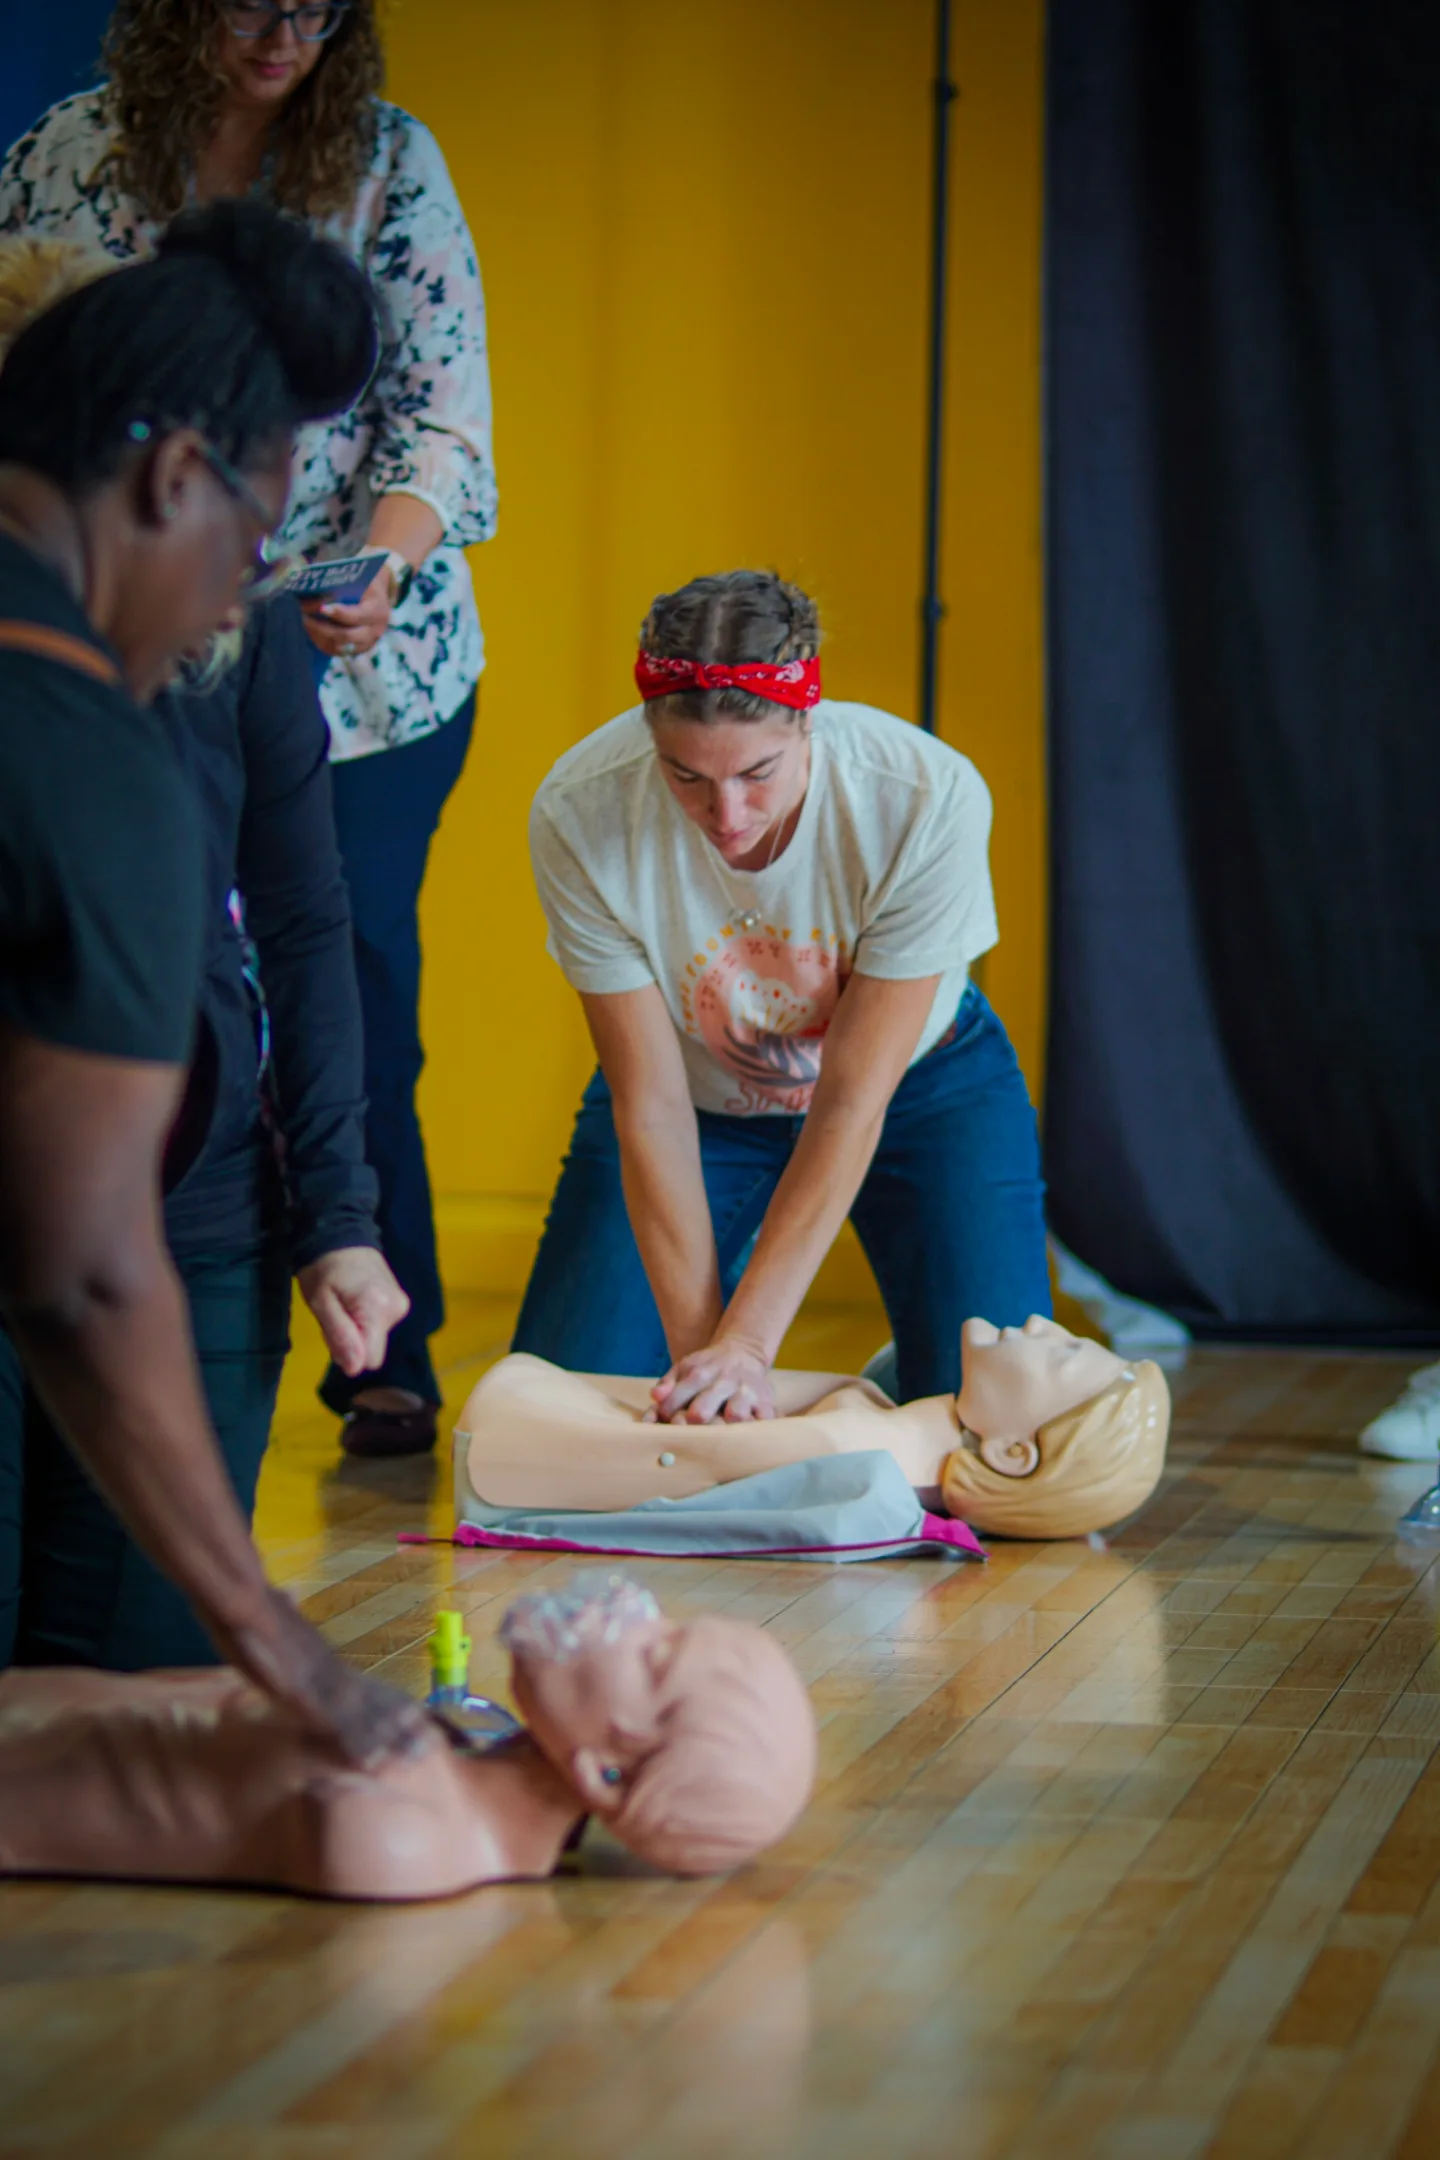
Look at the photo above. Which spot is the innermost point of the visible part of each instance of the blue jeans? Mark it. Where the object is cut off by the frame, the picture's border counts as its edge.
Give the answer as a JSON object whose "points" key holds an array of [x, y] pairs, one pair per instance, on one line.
{"points": [[387, 807], [951, 1216]]}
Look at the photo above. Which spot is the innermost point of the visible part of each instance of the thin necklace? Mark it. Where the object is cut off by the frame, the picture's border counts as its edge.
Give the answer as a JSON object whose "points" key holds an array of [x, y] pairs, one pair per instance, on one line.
{"points": [[748, 918]]}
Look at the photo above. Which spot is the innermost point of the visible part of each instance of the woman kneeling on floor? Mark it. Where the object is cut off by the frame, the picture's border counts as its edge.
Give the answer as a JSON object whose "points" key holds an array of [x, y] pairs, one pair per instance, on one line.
{"points": [[768, 902]]}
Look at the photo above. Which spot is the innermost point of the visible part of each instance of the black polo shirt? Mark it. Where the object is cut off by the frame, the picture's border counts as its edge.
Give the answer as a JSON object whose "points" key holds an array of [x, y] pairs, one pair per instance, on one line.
{"points": [[101, 862]]}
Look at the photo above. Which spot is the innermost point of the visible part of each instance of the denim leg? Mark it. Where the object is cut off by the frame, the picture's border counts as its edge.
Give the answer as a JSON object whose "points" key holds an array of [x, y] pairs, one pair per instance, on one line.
{"points": [[90, 1596], [743, 1159], [952, 1212], [588, 1306], [386, 810]]}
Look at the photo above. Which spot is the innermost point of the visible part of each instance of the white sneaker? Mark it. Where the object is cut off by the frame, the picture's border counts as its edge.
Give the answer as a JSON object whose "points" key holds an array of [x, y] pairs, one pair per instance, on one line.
{"points": [[1409, 1431]]}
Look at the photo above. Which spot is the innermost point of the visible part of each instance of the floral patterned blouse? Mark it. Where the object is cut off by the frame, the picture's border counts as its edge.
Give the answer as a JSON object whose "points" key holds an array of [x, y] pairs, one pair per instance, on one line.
{"points": [[422, 428]]}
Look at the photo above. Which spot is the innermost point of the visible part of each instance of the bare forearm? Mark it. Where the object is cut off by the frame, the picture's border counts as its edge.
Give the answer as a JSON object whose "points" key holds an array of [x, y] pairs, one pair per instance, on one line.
{"points": [[407, 525], [88, 1291], [670, 1216], [866, 1054], [868, 1048], [811, 1202], [118, 1375]]}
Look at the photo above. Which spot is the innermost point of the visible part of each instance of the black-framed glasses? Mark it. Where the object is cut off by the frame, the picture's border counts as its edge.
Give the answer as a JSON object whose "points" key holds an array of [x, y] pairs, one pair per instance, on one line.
{"points": [[262, 18], [272, 567]]}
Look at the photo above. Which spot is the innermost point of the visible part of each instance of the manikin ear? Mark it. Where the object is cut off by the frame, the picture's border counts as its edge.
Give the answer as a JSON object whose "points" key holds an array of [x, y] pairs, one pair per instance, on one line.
{"points": [[1018, 1456], [599, 1780]]}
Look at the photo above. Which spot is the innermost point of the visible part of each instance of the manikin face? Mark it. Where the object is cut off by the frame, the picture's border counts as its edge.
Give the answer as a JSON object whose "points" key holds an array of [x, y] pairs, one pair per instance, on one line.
{"points": [[263, 70], [737, 779], [601, 1712], [696, 1742], [1017, 1379], [594, 1669]]}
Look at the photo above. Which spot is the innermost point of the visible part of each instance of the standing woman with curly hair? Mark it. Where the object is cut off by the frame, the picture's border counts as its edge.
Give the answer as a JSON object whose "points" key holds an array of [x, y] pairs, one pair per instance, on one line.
{"points": [[208, 98]]}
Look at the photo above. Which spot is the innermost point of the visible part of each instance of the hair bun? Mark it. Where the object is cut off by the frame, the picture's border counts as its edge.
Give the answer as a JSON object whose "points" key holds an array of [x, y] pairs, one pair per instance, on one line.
{"points": [[307, 297]]}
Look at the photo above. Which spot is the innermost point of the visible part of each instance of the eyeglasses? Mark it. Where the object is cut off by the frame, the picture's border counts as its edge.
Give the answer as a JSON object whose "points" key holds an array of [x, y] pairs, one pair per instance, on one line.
{"points": [[273, 566], [262, 18]]}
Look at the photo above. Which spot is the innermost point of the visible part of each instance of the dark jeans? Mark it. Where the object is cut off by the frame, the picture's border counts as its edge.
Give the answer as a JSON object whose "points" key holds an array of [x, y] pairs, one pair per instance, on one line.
{"points": [[387, 807], [951, 1216], [74, 1589]]}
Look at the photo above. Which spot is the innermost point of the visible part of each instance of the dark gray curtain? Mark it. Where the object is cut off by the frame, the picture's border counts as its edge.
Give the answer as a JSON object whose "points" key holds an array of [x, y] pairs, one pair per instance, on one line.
{"points": [[1243, 418]]}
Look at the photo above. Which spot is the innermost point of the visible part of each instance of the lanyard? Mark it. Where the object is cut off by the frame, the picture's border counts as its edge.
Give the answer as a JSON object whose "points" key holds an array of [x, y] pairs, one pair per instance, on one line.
{"points": [[250, 970]]}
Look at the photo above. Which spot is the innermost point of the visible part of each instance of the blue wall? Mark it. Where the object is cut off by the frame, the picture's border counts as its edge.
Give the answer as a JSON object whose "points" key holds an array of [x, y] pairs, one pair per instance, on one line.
{"points": [[51, 48]]}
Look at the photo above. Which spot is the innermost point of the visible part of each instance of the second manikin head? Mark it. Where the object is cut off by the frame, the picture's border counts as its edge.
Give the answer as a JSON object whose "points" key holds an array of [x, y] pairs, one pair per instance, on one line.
{"points": [[693, 1740], [1059, 1436]]}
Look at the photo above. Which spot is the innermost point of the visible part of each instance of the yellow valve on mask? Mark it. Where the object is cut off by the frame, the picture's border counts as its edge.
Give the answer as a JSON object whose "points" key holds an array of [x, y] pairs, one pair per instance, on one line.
{"points": [[450, 1652]]}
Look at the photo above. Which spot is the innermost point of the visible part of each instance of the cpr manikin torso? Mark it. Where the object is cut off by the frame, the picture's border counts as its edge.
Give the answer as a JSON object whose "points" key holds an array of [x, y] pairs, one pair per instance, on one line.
{"points": [[534, 1435], [1051, 1435], [194, 1777], [695, 1742]]}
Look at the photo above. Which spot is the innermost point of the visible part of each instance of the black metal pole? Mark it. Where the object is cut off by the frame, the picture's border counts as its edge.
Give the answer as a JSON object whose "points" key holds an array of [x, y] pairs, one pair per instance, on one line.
{"points": [[932, 607]]}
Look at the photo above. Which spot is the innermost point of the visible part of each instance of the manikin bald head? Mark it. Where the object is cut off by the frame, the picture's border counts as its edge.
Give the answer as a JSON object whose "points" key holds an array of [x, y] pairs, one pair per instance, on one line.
{"points": [[693, 1740]]}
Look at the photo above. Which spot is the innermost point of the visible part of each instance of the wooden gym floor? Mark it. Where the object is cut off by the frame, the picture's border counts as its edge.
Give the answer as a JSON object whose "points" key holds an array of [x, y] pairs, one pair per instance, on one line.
{"points": [[1125, 1853]]}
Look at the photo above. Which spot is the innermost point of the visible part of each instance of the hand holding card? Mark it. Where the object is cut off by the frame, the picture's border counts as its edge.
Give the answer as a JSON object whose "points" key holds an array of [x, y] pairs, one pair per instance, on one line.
{"points": [[350, 612], [342, 580]]}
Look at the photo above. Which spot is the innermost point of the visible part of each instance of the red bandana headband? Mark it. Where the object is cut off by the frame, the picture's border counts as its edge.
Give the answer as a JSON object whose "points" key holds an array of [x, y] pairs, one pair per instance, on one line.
{"points": [[795, 682]]}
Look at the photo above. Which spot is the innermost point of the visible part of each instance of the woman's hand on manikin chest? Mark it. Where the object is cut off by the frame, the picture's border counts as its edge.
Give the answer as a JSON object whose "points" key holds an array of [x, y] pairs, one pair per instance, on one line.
{"points": [[867, 1050], [727, 1382]]}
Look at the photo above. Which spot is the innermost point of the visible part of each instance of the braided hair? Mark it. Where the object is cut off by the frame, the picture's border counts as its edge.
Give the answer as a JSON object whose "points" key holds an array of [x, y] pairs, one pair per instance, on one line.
{"points": [[731, 617]]}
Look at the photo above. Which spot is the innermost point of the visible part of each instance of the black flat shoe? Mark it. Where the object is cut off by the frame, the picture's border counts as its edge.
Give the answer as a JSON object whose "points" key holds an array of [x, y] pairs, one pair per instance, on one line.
{"points": [[370, 1434]]}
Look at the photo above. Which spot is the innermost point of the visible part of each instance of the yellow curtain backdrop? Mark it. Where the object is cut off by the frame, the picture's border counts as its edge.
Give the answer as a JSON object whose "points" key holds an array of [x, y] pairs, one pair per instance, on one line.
{"points": [[704, 235]]}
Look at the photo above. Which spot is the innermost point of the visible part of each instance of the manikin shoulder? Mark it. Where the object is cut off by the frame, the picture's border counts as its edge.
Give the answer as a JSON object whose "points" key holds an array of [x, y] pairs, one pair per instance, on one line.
{"points": [[434, 1825], [406, 1831]]}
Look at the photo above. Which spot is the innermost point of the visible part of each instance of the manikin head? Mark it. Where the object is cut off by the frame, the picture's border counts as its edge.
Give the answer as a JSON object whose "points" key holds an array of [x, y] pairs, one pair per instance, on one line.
{"points": [[694, 1741], [1059, 1435], [1016, 1379]]}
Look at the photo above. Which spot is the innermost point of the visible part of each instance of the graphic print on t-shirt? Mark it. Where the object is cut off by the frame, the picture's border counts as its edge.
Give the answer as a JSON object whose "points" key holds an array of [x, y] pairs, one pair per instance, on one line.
{"points": [[762, 1003]]}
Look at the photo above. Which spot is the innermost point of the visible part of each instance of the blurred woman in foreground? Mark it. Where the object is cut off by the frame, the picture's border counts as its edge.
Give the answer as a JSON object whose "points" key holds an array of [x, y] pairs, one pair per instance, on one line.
{"points": [[146, 433]]}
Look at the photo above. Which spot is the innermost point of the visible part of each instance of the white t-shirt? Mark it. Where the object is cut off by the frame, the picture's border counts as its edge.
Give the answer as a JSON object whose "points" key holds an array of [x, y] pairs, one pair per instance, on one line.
{"points": [[887, 872]]}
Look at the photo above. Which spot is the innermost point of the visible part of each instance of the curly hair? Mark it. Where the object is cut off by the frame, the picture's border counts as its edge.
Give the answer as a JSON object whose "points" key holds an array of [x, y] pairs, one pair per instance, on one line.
{"points": [[164, 89]]}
